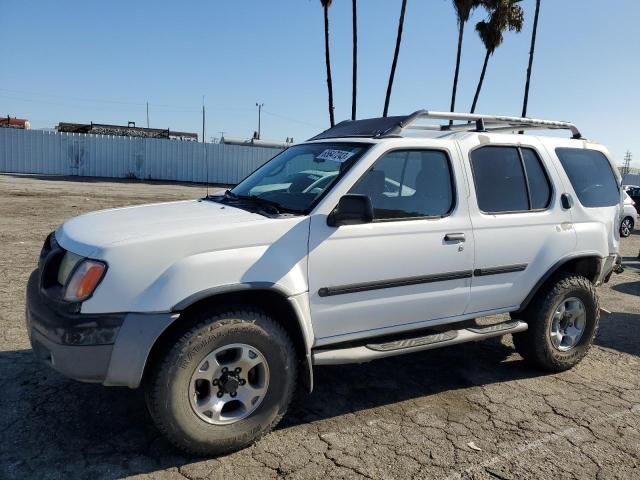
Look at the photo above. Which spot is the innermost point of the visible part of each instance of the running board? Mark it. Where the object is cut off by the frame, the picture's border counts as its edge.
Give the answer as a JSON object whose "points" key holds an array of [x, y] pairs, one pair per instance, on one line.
{"points": [[372, 351]]}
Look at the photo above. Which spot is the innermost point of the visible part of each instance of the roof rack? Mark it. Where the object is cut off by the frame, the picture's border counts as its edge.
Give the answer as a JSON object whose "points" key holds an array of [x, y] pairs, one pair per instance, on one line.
{"points": [[394, 126]]}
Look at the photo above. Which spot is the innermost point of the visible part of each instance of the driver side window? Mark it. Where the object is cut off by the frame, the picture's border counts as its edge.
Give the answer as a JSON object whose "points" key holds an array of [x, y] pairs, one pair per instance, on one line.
{"points": [[406, 184]]}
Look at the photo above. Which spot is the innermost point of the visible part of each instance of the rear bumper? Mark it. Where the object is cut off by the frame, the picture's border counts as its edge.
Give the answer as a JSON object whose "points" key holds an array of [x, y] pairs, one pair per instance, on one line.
{"points": [[105, 348], [610, 264]]}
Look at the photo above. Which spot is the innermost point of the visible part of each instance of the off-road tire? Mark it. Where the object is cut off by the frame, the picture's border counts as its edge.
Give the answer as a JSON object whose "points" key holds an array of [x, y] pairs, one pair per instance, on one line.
{"points": [[535, 344], [167, 386]]}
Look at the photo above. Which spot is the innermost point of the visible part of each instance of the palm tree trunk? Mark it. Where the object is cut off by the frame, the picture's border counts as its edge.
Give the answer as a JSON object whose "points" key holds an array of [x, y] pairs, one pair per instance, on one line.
{"points": [[455, 76], [395, 58], [354, 86], [328, 62], [531, 52], [484, 70]]}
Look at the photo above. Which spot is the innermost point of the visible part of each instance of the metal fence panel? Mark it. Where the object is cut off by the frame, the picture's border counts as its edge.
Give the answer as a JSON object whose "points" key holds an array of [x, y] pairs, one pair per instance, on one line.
{"points": [[44, 152]]}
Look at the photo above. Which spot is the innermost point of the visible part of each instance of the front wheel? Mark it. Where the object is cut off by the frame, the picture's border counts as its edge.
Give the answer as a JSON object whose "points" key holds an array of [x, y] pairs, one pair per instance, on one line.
{"points": [[563, 322], [626, 227], [226, 382]]}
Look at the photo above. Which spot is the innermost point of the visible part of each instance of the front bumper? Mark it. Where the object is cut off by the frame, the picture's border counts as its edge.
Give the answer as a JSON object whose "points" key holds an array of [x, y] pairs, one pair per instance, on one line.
{"points": [[105, 348], [77, 345]]}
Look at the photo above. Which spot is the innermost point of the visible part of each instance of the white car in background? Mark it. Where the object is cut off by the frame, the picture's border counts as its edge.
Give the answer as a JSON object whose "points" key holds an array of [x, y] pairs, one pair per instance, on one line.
{"points": [[629, 216]]}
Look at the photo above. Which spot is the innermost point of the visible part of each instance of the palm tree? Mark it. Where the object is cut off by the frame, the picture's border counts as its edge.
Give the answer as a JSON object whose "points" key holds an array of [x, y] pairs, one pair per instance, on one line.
{"points": [[463, 10], [533, 47], [395, 58], [504, 15], [325, 5], [354, 85]]}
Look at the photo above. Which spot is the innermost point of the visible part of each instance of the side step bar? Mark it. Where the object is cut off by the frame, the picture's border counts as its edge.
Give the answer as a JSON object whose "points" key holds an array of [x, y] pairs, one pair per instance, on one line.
{"points": [[373, 351]]}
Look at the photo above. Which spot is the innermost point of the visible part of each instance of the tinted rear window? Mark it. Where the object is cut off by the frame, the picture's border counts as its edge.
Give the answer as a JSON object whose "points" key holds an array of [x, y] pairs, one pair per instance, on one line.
{"points": [[538, 182], [591, 176], [499, 179]]}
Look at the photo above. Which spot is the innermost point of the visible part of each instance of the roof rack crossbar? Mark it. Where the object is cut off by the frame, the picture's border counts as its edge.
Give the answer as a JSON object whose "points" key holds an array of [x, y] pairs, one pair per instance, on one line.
{"points": [[480, 123], [469, 122]]}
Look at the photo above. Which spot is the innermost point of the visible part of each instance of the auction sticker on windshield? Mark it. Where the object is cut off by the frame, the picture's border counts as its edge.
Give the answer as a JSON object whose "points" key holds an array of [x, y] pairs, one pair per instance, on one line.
{"points": [[335, 155]]}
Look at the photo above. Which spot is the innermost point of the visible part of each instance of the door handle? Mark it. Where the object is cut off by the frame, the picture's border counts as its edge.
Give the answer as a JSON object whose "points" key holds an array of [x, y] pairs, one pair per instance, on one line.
{"points": [[454, 237]]}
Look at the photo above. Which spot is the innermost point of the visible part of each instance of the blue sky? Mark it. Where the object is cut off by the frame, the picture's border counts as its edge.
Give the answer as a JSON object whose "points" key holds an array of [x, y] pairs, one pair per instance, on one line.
{"points": [[82, 61]]}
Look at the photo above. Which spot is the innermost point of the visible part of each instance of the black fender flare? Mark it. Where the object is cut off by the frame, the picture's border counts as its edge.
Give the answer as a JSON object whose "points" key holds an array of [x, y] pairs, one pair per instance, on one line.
{"points": [[556, 267]]}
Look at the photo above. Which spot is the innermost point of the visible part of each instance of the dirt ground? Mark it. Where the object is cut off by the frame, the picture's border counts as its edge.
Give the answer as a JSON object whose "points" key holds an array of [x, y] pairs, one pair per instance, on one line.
{"points": [[470, 411]]}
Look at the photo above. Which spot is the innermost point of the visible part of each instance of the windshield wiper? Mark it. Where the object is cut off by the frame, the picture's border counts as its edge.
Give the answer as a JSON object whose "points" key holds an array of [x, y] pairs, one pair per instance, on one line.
{"points": [[230, 194], [275, 206], [272, 206]]}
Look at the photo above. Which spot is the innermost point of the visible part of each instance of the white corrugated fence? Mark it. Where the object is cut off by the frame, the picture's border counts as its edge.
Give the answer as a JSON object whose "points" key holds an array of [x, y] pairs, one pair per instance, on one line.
{"points": [[43, 152]]}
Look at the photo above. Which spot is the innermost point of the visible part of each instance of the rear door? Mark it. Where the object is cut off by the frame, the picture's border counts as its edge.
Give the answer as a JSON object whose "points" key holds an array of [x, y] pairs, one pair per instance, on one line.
{"points": [[520, 227]]}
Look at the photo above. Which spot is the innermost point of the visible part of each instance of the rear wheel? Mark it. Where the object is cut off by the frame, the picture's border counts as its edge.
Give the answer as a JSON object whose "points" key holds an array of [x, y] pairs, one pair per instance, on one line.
{"points": [[226, 382], [563, 321], [626, 227]]}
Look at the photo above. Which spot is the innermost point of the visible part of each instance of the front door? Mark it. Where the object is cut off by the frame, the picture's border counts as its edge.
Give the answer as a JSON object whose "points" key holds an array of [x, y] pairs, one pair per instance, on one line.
{"points": [[411, 265]]}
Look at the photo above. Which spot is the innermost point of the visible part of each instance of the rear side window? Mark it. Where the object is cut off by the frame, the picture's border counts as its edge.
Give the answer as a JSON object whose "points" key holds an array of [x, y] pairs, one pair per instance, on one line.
{"points": [[591, 176], [538, 182], [509, 179]]}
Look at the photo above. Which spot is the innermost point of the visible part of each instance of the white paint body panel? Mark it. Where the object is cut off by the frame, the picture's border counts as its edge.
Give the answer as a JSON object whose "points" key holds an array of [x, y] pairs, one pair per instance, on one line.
{"points": [[385, 251], [161, 254], [535, 239]]}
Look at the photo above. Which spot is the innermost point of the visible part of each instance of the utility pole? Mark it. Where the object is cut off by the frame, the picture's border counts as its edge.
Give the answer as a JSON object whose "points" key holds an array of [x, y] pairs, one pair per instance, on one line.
{"points": [[147, 114], [204, 148], [259, 105], [203, 119], [626, 166]]}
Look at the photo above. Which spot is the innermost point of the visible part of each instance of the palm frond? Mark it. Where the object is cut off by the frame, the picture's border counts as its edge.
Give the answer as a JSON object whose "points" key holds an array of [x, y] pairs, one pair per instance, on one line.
{"points": [[464, 8]]}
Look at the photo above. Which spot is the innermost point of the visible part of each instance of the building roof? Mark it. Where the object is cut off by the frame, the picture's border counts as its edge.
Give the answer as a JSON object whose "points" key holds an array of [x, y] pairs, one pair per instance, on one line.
{"points": [[124, 131]]}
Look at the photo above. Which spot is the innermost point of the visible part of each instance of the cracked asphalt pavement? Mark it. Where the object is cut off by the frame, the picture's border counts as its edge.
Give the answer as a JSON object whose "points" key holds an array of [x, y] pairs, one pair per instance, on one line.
{"points": [[469, 411]]}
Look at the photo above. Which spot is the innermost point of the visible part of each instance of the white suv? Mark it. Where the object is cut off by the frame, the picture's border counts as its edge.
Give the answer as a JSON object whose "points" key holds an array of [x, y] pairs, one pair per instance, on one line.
{"points": [[396, 236]]}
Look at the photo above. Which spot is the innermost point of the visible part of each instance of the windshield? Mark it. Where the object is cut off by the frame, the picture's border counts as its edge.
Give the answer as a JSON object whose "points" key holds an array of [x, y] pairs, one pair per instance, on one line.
{"points": [[295, 179]]}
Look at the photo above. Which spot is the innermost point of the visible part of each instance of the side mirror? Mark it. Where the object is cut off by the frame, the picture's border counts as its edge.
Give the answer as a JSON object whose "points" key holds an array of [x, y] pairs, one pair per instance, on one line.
{"points": [[352, 209]]}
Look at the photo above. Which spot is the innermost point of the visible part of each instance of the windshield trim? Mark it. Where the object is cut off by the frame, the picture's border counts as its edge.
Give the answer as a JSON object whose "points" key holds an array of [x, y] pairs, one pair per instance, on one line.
{"points": [[366, 146]]}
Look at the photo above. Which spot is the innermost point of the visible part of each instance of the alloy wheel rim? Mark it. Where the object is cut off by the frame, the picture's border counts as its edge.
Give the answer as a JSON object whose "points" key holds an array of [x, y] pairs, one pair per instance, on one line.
{"points": [[626, 227], [568, 324], [229, 384]]}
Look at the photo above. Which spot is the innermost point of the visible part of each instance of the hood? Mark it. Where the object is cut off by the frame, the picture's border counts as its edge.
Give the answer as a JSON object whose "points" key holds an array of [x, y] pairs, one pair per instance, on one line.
{"points": [[91, 233]]}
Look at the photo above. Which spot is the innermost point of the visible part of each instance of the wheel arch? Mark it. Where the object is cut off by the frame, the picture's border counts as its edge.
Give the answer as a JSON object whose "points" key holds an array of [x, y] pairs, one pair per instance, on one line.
{"points": [[588, 265], [287, 310]]}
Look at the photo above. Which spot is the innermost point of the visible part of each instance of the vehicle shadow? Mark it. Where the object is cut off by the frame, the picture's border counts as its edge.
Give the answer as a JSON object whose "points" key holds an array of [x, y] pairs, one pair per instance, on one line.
{"points": [[631, 263], [59, 428], [620, 331]]}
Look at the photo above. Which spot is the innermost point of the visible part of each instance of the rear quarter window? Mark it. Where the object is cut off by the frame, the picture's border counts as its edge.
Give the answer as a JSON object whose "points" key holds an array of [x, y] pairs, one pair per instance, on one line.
{"points": [[591, 176]]}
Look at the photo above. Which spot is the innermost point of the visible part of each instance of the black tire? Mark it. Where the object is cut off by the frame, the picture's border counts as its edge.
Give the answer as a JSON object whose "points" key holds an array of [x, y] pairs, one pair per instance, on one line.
{"points": [[167, 388], [626, 227], [535, 343]]}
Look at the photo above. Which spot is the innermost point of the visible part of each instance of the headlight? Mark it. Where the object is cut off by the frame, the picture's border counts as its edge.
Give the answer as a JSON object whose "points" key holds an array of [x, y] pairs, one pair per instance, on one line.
{"points": [[84, 279]]}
